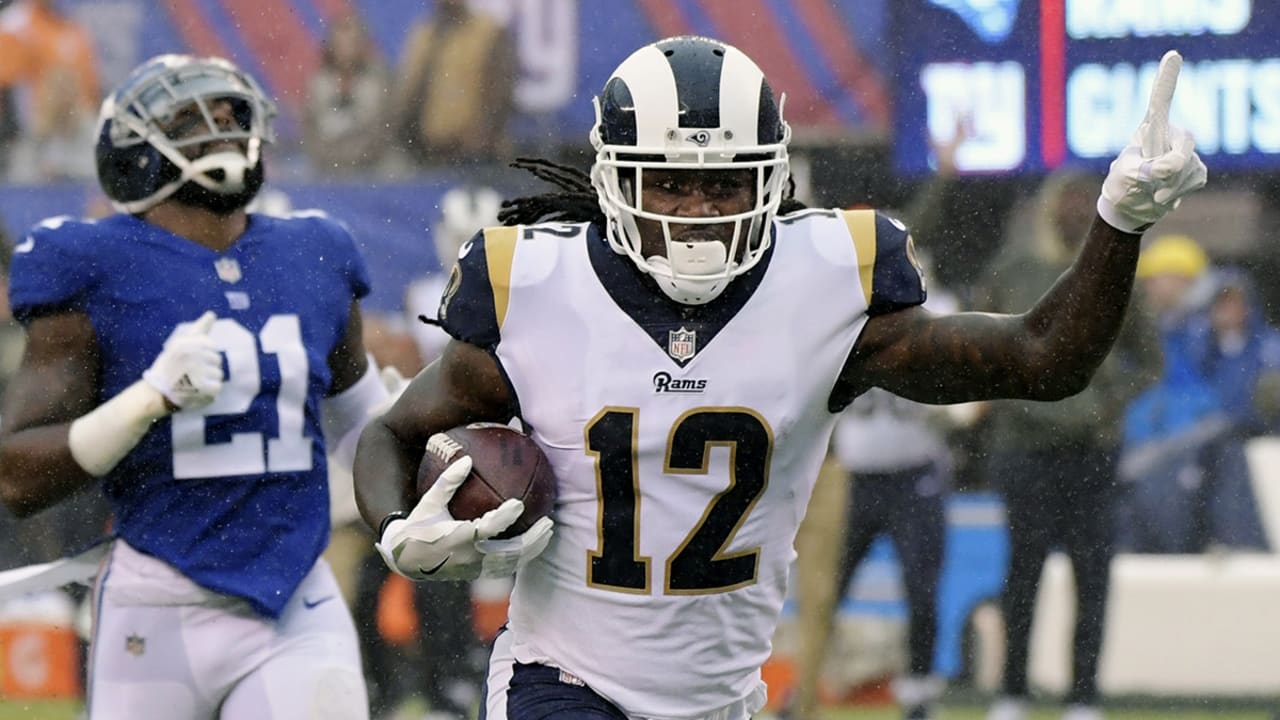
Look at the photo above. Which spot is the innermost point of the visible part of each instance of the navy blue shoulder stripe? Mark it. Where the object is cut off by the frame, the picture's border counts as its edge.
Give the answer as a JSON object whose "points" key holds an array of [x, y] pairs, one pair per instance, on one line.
{"points": [[897, 281], [467, 309]]}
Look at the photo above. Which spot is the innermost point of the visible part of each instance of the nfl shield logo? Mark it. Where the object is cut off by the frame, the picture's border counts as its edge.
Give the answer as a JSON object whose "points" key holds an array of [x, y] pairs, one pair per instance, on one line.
{"points": [[682, 343], [228, 269]]}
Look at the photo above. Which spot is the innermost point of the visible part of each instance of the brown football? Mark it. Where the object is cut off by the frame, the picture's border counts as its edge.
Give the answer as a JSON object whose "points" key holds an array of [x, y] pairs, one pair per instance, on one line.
{"points": [[505, 464]]}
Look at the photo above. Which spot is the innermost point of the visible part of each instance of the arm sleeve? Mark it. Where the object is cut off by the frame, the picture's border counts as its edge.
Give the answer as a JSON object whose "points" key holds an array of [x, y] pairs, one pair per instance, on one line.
{"points": [[344, 415]]}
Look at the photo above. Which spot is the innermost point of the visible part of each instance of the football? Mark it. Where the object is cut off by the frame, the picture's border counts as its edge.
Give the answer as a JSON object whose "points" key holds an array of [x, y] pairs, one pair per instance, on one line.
{"points": [[505, 464]]}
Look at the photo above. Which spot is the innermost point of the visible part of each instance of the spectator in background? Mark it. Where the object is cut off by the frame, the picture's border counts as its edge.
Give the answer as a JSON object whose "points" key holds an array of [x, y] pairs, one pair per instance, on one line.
{"points": [[1055, 463], [1170, 428], [1173, 283], [455, 91], [58, 145], [10, 128], [345, 121], [1191, 488], [1235, 350], [36, 39]]}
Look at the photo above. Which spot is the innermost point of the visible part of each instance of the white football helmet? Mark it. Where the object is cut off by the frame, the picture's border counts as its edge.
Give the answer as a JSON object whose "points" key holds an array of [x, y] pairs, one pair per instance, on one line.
{"points": [[689, 103]]}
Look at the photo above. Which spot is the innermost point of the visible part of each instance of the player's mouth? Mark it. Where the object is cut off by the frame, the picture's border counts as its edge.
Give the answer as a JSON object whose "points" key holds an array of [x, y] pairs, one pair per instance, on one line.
{"points": [[702, 233]]}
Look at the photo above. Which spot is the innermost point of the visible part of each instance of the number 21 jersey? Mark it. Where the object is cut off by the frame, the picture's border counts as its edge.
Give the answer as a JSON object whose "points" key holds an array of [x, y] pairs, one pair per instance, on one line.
{"points": [[234, 495]]}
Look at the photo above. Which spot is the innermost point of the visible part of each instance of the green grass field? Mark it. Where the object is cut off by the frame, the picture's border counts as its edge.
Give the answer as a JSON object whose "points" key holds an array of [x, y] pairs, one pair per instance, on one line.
{"points": [[38, 710], [48, 710], [1050, 713]]}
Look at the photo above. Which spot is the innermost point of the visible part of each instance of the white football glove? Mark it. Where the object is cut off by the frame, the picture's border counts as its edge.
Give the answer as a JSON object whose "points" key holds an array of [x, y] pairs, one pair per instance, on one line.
{"points": [[430, 544], [188, 371], [1158, 166]]}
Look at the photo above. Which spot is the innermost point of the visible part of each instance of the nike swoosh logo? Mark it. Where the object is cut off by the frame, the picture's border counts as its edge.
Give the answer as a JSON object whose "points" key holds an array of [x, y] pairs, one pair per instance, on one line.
{"points": [[435, 569], [310, 604], [25, 246]]}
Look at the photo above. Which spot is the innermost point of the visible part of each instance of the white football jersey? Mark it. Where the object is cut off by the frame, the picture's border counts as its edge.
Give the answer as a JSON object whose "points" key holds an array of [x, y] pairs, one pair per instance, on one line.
{"points": [[685, 441]]}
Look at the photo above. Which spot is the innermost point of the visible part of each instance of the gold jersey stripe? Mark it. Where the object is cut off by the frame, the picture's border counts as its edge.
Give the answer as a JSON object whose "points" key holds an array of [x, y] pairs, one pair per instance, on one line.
{"points": [[499, 250], [862, 228]]}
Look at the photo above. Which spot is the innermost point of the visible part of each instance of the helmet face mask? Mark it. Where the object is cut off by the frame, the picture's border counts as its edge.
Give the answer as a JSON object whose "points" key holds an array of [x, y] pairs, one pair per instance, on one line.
{"points": [[694, 105], [184, 127], [712, 206]]}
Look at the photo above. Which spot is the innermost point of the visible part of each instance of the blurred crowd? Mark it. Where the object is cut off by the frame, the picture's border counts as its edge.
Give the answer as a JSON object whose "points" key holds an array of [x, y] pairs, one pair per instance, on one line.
{"points": [[1151, 458], [364, 114]]}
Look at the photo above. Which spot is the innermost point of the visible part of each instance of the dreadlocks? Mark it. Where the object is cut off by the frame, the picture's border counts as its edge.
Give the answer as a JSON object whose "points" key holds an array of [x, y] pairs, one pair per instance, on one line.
{"points": [[789, 202], [578, 201]]}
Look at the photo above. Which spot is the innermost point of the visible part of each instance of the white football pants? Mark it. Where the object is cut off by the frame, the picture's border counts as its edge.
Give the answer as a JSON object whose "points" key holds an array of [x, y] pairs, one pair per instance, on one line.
{"points": [[164, 647]]}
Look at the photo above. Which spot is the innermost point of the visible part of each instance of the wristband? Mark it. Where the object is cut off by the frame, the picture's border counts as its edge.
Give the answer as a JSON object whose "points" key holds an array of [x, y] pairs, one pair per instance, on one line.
{"points": [[1113, 217], [387, 520], [100, 438]]}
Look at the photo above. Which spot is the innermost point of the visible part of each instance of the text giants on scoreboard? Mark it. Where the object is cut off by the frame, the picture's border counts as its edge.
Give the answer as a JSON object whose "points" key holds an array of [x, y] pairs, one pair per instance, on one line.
{"points": [[1069, 81]]}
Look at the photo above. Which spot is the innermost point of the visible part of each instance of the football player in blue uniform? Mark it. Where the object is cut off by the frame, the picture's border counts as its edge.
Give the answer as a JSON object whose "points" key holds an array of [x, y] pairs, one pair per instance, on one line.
{"points": [[200, 361], [680, 343]]}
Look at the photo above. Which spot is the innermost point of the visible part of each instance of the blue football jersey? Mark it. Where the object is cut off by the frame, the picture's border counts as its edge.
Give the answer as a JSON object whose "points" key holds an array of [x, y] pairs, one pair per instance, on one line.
{"points": [[233, 495]]}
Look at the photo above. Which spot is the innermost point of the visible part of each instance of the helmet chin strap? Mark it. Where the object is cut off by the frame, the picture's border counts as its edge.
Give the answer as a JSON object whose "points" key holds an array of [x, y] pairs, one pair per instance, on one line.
{"points": [[707, 258]]}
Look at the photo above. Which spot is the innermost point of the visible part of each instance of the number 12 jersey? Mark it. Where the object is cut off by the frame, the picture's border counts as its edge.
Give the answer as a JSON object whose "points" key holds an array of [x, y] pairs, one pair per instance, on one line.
{"points": [[685, 441]]}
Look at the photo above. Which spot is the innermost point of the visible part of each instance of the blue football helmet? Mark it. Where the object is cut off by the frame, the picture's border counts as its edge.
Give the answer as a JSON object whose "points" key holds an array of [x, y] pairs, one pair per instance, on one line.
{"points": [[689, 103], [143, 148]]}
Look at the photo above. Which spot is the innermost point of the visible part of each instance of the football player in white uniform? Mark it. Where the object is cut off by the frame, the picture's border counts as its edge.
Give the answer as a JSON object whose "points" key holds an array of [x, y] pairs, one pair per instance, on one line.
{"points": [[681, 349]]}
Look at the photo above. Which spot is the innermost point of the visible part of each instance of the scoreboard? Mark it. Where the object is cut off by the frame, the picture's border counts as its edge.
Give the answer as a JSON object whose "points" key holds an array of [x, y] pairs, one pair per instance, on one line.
{"points": [[1034, 84]]}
